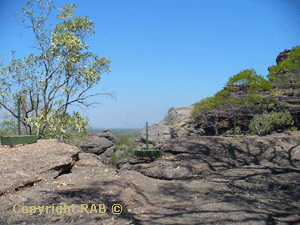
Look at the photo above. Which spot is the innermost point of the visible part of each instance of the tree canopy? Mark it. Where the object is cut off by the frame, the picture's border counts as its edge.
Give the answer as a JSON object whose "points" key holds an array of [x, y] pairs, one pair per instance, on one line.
{"points": [[223, 98], [61, 67]]}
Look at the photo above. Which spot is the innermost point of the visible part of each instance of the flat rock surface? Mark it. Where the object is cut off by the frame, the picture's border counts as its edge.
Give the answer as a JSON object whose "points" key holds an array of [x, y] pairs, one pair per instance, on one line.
{"points": [[221, 187], [21, 165]]}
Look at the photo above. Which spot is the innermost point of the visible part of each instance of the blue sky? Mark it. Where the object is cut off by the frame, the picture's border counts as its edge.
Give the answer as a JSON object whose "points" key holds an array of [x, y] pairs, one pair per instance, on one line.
{"points": [[167, 53]]}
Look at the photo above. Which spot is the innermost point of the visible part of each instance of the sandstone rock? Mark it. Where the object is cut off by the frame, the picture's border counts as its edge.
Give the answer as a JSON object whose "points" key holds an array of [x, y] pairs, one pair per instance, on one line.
{"points": [[24, 165], [105, 130], [107, 154], [109, 136], [96, 145], [177, 124], [283, 55], [119, 153], [194, 156], [209, 179], [157, 134], [180, 116]]}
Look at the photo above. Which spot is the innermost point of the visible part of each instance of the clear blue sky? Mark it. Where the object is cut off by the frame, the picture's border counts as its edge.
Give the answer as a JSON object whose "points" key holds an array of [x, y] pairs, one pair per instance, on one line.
{"points": [[167, 53]]}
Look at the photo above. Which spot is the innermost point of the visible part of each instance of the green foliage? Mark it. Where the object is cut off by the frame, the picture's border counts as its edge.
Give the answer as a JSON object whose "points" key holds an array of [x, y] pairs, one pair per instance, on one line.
{"points": [[209, 104], [293, 128], [221, 98], [266, 123], [129, 153], [170, 109], [125, 140], [291, 65], [256, 82], [238, 130], [61, 54]]}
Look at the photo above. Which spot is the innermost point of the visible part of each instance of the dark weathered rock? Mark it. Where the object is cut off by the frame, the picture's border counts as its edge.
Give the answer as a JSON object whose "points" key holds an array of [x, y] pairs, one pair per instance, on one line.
{"points": [[107, 154], [105, 130], [291, 77], [96, 145], [283, 55], [194, 155], [207, 179], [109, 136]]}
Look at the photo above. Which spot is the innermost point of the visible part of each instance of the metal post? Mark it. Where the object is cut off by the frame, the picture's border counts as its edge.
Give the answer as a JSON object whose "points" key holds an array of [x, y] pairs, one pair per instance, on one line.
{"points": [[19, 123], [146, 136], [234, 125]]}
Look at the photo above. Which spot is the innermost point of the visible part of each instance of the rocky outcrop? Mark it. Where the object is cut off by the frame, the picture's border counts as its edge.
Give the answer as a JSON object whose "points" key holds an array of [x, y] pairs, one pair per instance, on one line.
{"points": [[157, 134], [102, 144], [193, 156], [109, 136], [285, 54], [281, 57], [26, 165], [207, 179], [177, 124], [288, 97]]}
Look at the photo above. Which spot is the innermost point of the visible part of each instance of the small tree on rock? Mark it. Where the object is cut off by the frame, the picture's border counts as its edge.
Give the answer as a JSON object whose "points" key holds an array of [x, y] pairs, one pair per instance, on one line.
{"points": [[61, 66]]}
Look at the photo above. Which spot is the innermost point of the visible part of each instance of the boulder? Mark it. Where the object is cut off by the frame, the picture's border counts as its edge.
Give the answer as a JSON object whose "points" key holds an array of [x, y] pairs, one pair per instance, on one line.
{"points": [[96, 145], [109, 136], [107, 154], [283, 55]]}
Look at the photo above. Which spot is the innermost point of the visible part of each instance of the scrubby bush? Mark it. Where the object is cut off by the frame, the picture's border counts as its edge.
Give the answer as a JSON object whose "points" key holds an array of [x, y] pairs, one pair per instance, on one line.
{"points": [[294, 129], [170, 109], [266, 123], [126, 140]]}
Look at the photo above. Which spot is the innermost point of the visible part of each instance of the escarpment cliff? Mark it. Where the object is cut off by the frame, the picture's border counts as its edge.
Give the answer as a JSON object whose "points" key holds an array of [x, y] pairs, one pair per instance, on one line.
{"points": [[184, 122]]}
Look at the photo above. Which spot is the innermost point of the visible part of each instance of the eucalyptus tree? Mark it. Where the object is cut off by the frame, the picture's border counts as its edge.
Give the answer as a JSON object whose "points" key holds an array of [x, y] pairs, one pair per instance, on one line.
{"points": [[62, 69]]}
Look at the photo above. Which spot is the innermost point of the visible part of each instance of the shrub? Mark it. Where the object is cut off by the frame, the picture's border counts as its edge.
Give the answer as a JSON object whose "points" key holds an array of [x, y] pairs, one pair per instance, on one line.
{"points": [[266, 123], [170, 109], [294, 129], [238, 130]]}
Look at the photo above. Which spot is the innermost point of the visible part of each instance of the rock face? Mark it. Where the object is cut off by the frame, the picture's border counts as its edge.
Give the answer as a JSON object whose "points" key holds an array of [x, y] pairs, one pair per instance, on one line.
{"points": [[289, 97], [109, 136], [157, 134], [176, 125], [102, 144], [188, 157], [281, 57]]}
